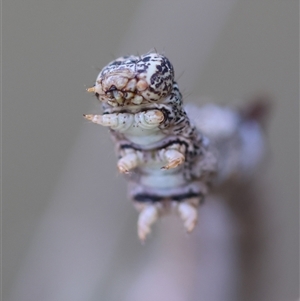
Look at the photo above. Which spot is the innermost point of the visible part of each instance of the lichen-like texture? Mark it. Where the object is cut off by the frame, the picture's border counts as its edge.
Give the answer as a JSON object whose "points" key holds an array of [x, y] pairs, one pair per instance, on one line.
{"points": [[170, 158]]}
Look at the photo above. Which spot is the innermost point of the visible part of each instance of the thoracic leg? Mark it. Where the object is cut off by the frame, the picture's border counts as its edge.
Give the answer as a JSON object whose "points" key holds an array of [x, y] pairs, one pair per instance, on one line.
{"points": [[189, 214], [149, 119], [131, 158], [147, 217], [122, 121], [116, 121], [174, 155]]}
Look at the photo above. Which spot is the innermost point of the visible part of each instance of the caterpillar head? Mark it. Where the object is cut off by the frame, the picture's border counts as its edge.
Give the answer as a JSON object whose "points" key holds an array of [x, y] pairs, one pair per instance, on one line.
{"points": [[133, 80]]}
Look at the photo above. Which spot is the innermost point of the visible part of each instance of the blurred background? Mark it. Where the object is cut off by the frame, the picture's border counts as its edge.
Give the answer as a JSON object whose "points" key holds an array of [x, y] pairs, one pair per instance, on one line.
{"points": [[69, 232]]}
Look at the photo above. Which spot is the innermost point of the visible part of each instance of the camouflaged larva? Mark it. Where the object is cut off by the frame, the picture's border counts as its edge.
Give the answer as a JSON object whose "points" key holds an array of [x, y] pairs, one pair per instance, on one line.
{"points": [[168, 163]]}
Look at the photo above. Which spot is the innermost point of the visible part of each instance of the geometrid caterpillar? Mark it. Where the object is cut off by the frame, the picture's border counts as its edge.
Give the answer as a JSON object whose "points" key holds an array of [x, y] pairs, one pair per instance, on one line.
{"points": [[170, 158]]}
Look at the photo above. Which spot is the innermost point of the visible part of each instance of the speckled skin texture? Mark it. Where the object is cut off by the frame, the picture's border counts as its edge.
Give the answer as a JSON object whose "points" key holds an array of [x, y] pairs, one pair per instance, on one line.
{"points": [[167, 161]]}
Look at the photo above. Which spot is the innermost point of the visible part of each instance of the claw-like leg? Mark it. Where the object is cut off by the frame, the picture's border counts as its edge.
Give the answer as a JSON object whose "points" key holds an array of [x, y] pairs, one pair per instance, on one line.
{"points": [[173, 155], [117, 121], [189, 215], [146, 219], [91, 90], [174, 158], [129, 161], [105, 120], [122, 121], [94, 118], [149, 119]]}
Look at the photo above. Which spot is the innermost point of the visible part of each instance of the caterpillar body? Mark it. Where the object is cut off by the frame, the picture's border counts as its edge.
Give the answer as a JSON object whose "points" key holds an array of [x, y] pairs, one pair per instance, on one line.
{"points": [[170, 158]]}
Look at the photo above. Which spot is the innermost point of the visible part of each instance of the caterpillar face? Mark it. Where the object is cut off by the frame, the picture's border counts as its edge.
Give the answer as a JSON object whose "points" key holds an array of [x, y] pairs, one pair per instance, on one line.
{"points": [[134, 80]]}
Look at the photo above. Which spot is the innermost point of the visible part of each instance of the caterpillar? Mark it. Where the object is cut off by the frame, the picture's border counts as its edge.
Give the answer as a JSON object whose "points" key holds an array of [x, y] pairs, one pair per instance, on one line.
{"points": [[171, 155]]}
